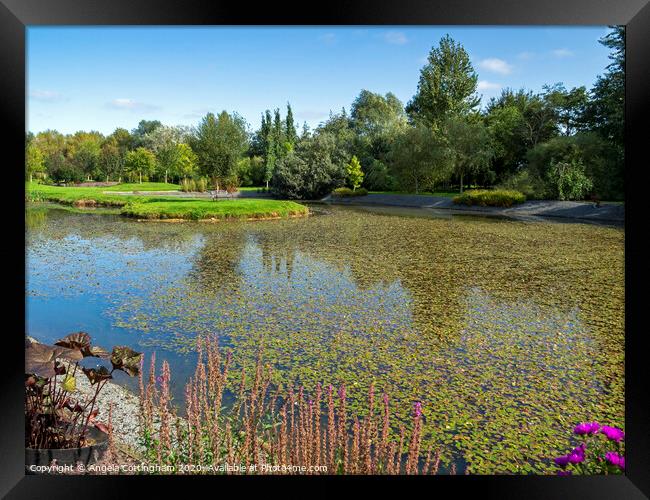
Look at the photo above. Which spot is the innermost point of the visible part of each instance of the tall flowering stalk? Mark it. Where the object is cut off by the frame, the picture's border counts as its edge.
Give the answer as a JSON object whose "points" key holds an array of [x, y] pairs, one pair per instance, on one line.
{"points": [[269, 427]]}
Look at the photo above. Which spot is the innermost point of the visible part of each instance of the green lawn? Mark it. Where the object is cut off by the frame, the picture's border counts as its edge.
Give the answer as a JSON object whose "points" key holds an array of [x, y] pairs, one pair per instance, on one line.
{"points": [[184, 208], [145, 186], [166, 207]]}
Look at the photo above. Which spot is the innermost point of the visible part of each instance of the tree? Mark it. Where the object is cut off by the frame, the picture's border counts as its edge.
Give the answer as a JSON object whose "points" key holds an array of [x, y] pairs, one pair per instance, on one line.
{"points": [[186, 162], [419, 159], [376, 121], [308, 172], [570, 180], [144, 127], [34, 161], [447, 85], [219, 143], [355, 174], [163, 141], [140, 162], [290, 128], [569, 106], [83, 151], [468, 146], [111, 159]]}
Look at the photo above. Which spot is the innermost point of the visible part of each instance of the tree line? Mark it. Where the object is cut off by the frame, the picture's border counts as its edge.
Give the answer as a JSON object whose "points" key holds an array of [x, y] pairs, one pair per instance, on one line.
{"points": [[557, 143]]}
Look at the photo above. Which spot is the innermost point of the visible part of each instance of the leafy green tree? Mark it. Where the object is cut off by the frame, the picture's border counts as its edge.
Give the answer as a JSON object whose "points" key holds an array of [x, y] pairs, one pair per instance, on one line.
{"points": [[376, 121], [34, 161], [163, 141], [355, 174], [309, 171], [290, 128], [186, 162], [139, 133], [140, 163], [419, 159], [447, 85], [219, 143], [569, 106], [111, 159], [83, 151], [469, 147]]}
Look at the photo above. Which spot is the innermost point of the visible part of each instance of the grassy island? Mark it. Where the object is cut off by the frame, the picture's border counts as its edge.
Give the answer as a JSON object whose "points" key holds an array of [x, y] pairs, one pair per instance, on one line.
{"points": [[164, 207]]}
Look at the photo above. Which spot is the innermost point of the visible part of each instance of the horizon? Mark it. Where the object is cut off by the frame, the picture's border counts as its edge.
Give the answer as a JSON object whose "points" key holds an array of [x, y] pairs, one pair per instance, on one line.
{"points": [[99, 79]]}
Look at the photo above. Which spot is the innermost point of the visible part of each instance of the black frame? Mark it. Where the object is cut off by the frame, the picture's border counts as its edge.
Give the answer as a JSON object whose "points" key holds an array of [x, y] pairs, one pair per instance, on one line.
{"points": [[15, 15]]}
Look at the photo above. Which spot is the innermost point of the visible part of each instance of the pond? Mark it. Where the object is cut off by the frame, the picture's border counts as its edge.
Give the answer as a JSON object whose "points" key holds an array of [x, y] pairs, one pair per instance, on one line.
{"points": [[508, 332]]}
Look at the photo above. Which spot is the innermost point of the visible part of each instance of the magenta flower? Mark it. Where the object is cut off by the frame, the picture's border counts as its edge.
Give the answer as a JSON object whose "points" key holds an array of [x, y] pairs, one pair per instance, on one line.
{"points": [[586, 428], [576, 457], [613, 433], [615, 459], [159, 379], [562, 461], [564, 473], [418, 410]]}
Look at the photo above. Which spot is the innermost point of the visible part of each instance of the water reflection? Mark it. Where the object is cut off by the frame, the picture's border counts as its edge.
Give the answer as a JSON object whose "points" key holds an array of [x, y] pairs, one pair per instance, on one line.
{"points": [[504, 329]]}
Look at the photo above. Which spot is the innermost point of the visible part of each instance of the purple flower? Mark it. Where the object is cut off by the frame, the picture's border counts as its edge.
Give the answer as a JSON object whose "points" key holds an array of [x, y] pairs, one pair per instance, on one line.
{"points": [[613, 433], [576, 457], [159, 379], [418, 410], [564, 473], [562, 461], [586, 428], [615, 459], [580, 450]]}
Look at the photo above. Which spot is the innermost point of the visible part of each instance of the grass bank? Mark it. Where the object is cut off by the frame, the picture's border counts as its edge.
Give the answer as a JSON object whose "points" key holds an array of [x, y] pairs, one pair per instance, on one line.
{"points": [[161, 207], [207, 209], [145, 186]]}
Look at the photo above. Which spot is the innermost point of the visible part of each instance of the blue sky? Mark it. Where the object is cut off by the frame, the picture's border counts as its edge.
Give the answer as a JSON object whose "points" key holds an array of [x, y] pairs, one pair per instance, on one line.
{"points": [[100, 78]]}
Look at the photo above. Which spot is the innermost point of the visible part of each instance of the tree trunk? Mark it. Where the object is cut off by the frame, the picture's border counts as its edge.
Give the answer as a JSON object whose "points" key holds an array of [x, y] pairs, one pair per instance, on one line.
{"points": [[461, 182], [416, 185], [30, 177], [140, 177], [165, 176], [267, 185]]}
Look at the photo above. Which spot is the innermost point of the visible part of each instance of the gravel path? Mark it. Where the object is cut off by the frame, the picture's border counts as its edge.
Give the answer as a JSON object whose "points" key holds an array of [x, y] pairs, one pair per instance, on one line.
{"points": [[182, 194], [607, 212]]}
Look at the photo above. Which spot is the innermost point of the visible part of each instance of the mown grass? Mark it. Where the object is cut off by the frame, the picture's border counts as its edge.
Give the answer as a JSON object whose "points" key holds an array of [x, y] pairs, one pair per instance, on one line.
{"points": [[145, 186], [161, 207], [207, 209]]}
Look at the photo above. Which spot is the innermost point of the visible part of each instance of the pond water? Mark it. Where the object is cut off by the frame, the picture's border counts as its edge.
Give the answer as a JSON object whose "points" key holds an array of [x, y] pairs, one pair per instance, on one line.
{"points": [[508, 332]]}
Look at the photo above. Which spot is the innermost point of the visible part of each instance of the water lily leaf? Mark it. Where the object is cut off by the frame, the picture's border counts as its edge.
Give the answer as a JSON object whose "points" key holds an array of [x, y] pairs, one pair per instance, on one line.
{"points": [[78, 340], [126, 359], [40, 359], [96, 375]]}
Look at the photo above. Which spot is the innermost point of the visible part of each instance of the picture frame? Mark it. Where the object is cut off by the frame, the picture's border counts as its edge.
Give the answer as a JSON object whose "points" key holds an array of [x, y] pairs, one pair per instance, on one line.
{"points": [[16, 15]]}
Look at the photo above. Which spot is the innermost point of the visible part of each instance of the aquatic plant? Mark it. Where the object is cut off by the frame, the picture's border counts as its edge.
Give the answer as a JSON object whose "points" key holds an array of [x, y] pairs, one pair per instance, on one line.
{"points": [[601, 452], [54, 416], [278, 429]]}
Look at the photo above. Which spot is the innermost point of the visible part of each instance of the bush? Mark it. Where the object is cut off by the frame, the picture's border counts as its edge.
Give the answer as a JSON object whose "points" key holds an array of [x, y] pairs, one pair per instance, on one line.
{"points": [[528, 183], [492, 198], [345, 192], [202, 185], [570, 180]]}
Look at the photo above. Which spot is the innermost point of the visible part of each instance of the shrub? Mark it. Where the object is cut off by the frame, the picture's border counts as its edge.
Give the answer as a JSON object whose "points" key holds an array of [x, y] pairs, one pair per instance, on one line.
{"points": [[528, 183], [490, 198], [570, 180], [201, 185], [344, 192]]}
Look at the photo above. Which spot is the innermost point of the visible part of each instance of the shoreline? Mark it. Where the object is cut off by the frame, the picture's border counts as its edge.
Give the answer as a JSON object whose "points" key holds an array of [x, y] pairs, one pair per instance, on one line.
{"points": [[567, 210]]}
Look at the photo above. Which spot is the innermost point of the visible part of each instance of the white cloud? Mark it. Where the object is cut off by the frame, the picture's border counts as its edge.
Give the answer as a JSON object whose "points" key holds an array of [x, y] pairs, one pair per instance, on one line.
{"points": [[395, 37], [526, 55], [496, 66], [131, 105], [45, 95], [485, 85], [562, 53]]}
